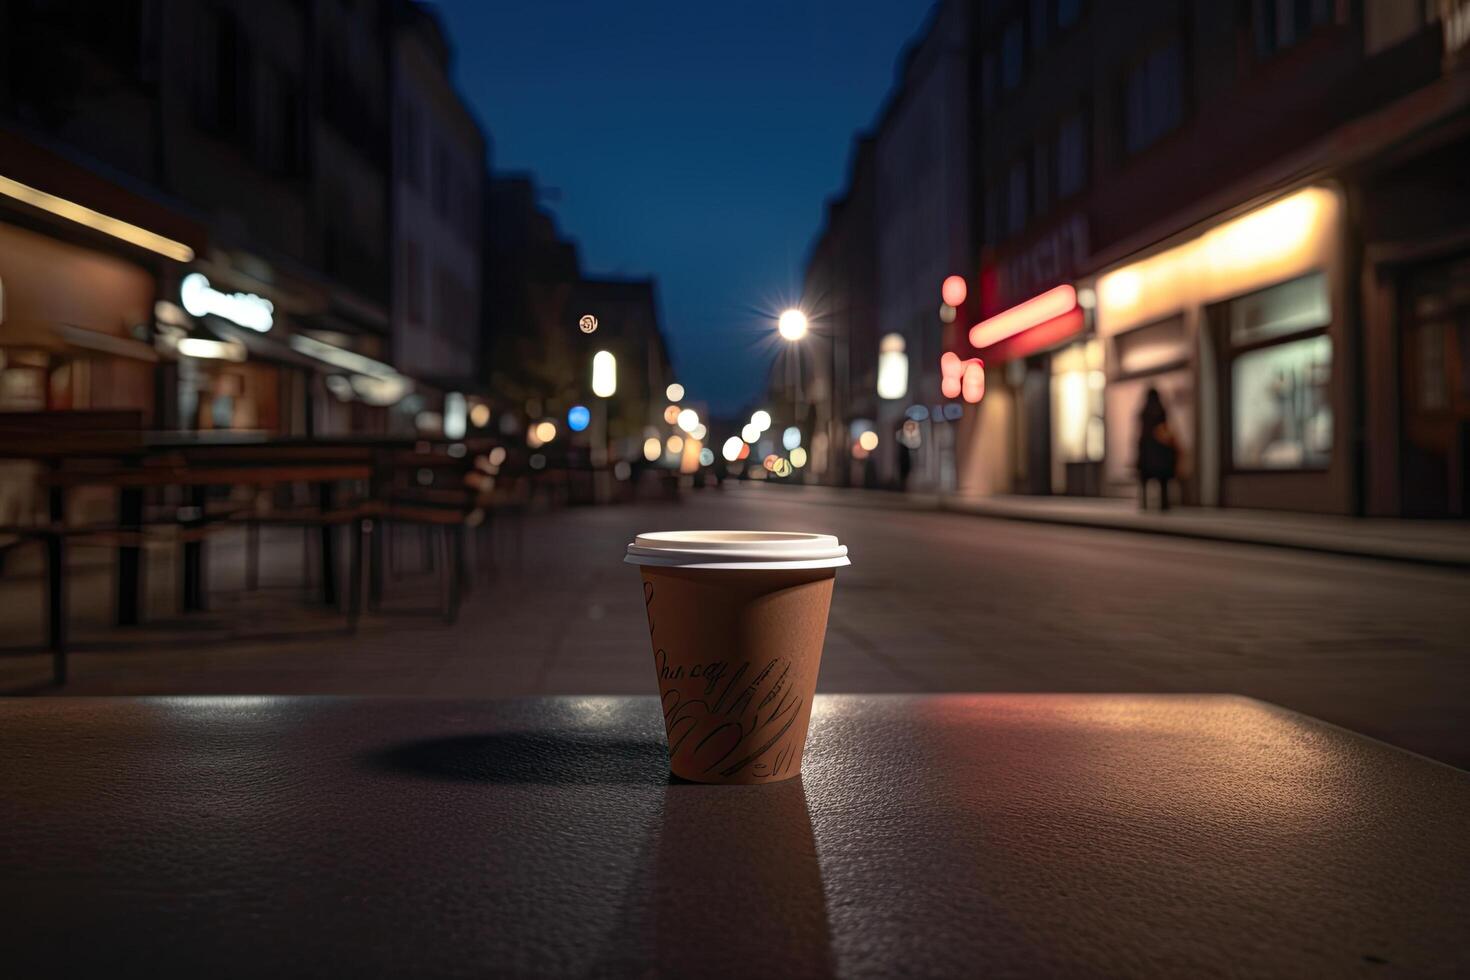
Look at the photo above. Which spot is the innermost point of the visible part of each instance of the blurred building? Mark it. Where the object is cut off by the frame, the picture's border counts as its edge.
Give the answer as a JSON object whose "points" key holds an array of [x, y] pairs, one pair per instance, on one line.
{"points": [[555, 337], [872, 280], [253, 139], [1244, 200], [840, 290], [438, 210]]}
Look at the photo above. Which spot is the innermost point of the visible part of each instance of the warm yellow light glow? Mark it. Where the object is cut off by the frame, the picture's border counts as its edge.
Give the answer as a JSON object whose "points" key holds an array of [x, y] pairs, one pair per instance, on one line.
{"points": [[546, 432], [792, 325], [761, 420], [1278, 241], [671, 414], [675, 445], [652, 449], [689, 461], [699, 432], [750, 432], [115, 227], [798, 457], [675, 392], [688, 420], [215, 350], [604, 374], [497, 456], [731, 449], [480, 415], [893, 367], [868, 440]]}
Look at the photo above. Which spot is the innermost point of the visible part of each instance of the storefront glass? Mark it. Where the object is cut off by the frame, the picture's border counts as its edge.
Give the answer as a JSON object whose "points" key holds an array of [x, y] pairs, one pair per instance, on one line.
{"points": [[1281, 417], [1280, 376]]}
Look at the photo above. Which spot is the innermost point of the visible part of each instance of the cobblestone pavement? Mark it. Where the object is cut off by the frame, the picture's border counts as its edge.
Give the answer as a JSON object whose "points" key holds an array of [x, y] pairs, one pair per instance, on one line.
{"points": [[932, 602]]}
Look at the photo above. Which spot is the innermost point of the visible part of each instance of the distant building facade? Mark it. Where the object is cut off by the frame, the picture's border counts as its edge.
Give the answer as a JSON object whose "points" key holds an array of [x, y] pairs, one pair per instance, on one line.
{"points": [[1247, 199], [438, 208], [261, 128]]}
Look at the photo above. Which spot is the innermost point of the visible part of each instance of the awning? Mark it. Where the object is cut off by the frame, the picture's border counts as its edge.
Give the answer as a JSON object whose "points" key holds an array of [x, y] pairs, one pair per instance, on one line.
{"points": [[62, 338]]}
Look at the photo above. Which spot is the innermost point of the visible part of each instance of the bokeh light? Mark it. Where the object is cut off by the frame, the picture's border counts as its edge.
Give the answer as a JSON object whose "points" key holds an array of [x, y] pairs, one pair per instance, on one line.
{"points": [[954, 290], [674, 392], [497, 456], [750, 433], [699, 432], [671, 414], [798, 457], [578, 418], [761, 420], [731, 449], [675, 445], [868, 440], [706, 456], [546, 431], [480, 415], [688, 419], [791, 438], [652, 449]]}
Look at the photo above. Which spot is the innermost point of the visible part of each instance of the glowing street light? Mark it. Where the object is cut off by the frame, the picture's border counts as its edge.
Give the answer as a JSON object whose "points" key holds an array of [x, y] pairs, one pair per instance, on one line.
{"points": [[792, 325], [604, 374]]}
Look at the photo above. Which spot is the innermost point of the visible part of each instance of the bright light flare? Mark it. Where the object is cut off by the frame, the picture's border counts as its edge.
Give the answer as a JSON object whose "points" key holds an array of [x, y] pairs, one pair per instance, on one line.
{"points": [[731, 449], [688, 420], [652, 449], [761, 420], [674, 392], [750, 433], [868, 440], [545, 432], [792, 325]]}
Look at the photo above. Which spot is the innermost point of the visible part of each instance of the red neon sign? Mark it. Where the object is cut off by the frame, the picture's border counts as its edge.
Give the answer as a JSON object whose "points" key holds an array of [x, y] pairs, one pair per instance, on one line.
{"points": [[1023, 316]]}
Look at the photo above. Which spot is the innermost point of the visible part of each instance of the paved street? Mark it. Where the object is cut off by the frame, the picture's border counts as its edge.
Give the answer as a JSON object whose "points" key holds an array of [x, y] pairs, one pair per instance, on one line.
{"points": [[932, 602]]}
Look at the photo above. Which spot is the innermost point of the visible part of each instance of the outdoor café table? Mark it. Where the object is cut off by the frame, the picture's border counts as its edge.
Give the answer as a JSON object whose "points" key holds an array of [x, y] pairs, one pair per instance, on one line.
{"points": [[946, 835]]}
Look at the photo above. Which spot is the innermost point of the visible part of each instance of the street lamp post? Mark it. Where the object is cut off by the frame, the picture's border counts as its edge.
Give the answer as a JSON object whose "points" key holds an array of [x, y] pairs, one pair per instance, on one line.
{"points": [[792, 326]]}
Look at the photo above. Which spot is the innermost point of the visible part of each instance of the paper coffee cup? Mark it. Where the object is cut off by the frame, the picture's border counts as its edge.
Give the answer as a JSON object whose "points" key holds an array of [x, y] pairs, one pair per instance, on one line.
{"points": [[737, 620]]}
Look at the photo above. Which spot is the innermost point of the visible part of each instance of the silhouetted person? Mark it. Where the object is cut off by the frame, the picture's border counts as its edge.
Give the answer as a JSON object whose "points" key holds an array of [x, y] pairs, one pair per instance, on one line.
{"points": [[905, 465], [1157, 453]]}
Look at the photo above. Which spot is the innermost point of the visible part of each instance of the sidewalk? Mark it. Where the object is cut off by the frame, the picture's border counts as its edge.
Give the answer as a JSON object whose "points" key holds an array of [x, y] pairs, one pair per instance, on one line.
{"points": [[1441, 543]]}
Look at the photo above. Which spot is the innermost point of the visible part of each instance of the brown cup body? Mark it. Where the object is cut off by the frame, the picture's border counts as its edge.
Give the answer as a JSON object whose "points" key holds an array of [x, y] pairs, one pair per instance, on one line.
{"points": [[736, 653]]}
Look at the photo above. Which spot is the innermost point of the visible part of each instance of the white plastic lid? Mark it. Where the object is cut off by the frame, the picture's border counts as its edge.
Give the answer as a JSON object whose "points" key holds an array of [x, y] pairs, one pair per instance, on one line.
{"points": [[737, 549]]}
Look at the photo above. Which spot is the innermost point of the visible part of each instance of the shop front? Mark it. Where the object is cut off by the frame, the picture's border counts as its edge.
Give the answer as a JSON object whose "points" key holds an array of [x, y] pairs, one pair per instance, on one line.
{"points": [[1240, 326], [1038, 427], [71, 319]]}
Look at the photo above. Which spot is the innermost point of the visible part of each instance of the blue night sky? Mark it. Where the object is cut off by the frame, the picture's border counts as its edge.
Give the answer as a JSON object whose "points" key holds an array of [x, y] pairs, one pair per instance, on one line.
{"points": [[691, 140]]}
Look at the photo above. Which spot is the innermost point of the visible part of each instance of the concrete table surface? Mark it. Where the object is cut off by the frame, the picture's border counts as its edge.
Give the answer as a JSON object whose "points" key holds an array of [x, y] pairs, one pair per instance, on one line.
{"points": [[947, 835]]}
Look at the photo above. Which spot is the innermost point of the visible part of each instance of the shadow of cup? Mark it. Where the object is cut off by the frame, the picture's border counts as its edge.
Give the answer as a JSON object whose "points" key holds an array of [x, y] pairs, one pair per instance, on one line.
{"points": [[737, 889]]}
